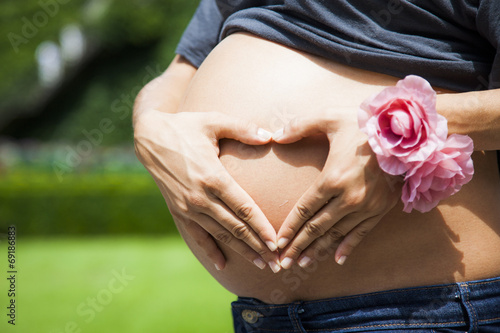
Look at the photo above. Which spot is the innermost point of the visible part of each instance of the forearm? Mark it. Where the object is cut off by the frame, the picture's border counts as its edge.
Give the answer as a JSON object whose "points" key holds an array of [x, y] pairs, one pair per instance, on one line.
{"points": [[165, 92], [476, 114]]}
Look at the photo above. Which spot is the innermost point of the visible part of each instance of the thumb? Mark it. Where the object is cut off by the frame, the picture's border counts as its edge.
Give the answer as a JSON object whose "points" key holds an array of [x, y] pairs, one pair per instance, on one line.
{"points": [[299, 128], [231, 127]]}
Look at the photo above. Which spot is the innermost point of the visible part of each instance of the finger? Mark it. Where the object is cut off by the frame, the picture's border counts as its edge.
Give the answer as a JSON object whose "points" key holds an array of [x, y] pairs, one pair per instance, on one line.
{"points": [[354, 237], [229, 192], [207, 243], [299, 128], [314, 199], [322, 248], [232, 127], [225, 237], [242, 232], [325, 222]]}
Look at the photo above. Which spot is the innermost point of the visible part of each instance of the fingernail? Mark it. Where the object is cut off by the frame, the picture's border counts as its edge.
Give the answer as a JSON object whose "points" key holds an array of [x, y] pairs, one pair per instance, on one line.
{"points": [[272, 246], [341, 260], [217, 267], [263, 134], [287, 263], [282, 242], [304, 262], [274, 266], [259, 263], [278, 134]]}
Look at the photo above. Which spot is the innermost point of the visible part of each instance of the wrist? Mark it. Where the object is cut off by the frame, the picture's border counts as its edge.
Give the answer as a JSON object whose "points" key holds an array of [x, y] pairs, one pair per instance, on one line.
{"points": [[454, 106]]}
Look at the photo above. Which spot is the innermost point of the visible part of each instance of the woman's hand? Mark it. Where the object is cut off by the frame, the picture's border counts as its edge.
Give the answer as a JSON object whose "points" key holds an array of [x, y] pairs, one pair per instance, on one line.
{"points": [[348, 198], [181, 152]]}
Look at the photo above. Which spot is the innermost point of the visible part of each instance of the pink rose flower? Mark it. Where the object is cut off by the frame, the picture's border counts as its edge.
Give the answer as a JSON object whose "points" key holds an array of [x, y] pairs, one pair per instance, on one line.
{"points": [[403, 125], [439, 177]]}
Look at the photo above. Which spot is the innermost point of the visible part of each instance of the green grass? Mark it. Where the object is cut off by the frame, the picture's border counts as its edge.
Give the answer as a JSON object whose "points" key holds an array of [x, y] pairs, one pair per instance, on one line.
{"points": [[58, 278]]}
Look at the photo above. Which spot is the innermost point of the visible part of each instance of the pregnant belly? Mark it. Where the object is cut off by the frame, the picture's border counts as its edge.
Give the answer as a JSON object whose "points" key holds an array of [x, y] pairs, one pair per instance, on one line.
{"points": [[270, 84]]}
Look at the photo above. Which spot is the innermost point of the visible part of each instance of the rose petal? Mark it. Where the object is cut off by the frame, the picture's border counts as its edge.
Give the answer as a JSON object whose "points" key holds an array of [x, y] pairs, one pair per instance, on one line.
{"points": [[392, 165], [438, 184], [440, 176], [377, 102], [401, 123], [409, 137]]}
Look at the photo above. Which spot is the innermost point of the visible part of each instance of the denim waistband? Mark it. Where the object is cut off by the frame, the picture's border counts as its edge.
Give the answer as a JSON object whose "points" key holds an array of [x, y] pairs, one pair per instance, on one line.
{"points": [[464, 305]]}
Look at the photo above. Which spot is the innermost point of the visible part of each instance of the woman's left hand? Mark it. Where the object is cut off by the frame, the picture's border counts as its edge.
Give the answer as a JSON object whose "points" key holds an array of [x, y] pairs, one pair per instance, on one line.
{"points": [[347, 200]]}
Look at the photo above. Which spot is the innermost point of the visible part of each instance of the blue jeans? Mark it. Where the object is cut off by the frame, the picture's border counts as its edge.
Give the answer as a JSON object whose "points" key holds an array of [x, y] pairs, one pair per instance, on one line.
{"points": [[472, 306]]}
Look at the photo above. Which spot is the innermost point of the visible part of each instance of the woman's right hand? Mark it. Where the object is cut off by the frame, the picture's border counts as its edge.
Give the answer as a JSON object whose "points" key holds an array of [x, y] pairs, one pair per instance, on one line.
{"points": [[180, 150]]}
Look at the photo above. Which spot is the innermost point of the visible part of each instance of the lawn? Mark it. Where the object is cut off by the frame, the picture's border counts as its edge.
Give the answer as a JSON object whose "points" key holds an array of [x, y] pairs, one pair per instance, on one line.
{"points": [[106, 284]]}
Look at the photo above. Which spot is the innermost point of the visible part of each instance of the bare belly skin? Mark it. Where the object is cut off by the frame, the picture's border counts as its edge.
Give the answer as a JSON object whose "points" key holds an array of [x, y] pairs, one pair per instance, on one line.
{"points": [[269, 84]]}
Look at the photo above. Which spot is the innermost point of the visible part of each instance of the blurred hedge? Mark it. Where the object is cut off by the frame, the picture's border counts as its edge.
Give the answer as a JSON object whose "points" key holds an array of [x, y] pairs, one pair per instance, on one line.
{"points": [[88, 203]]}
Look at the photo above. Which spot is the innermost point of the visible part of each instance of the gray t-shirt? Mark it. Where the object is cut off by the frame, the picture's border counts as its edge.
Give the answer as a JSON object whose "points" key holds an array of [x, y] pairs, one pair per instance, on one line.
{"points": [[453, 44]]}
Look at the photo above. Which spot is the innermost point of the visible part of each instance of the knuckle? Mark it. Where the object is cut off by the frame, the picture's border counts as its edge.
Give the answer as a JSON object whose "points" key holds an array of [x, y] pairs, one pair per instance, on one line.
{"points": [[304, 212], [223, 237], [244, 211], [315, 229], [361, 232], [355, 198], [240, 231], [212, 182], [294, 251], [179, 208], [332, 177], [335, 234], [196, 201], [262, 252], [289, 230]]}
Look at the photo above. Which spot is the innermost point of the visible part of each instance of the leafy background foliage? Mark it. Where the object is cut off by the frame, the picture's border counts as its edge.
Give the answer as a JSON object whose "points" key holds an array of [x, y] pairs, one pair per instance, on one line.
{"points": [[50, 184]]}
